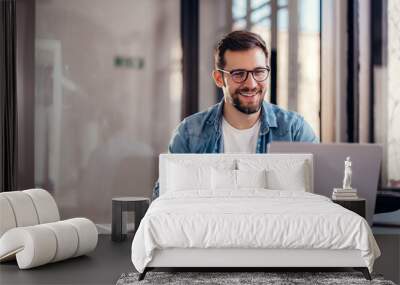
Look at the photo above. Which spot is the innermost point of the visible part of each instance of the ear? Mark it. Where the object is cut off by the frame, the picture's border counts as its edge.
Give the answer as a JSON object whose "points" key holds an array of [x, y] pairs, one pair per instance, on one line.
{"points": [[218, 78]]}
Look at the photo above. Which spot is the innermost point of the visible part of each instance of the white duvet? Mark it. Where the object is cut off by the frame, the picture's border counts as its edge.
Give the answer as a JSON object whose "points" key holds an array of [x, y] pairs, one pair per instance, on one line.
{"points": [[251, 218]]}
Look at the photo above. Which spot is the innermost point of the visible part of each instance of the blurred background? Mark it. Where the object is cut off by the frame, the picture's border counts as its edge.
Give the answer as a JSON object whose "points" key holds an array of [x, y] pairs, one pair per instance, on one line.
{"points": [[100, 85], [91, 90]]}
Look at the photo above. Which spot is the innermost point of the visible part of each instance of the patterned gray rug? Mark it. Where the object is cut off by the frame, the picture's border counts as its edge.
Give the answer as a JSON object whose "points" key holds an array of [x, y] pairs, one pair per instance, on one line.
{"points": [[275, 278]]}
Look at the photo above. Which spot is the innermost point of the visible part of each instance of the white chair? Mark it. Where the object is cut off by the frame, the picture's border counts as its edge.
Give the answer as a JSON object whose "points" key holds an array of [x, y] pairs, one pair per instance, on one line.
{"points": [[31, 230]]}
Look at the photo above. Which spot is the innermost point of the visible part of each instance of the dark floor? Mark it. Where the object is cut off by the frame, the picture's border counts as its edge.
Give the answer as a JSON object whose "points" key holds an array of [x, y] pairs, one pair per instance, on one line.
{"points": [[111, 259], [102, 266]]}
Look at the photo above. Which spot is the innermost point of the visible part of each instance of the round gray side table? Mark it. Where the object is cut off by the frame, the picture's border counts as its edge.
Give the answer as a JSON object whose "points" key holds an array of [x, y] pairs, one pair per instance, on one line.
{"points": [[120, 205]]}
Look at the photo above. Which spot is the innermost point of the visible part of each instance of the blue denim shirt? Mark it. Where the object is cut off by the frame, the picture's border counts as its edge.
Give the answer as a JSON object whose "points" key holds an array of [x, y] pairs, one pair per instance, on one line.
{"points": [[202, 132]]}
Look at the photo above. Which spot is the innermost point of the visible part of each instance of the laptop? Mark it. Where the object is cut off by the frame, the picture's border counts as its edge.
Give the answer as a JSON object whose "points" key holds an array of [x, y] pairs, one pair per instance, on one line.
{"points": [[329, 167]]}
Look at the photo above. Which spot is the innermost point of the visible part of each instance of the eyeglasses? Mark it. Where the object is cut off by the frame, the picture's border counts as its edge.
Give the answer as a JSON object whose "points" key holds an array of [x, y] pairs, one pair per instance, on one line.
{"points": [[239, 75]]}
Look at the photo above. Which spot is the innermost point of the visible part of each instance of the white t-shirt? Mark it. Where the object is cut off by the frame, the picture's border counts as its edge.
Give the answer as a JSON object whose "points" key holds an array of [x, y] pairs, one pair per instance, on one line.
{"points": [[240, 141]]}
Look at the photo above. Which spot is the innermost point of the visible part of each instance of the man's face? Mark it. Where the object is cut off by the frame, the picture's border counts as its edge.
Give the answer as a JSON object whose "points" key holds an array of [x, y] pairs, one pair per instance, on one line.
{"points": [[247, 96]]}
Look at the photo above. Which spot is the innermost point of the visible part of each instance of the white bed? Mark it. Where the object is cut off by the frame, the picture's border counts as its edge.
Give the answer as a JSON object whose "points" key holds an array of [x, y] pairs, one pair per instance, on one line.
{"points": [[247, 211]]}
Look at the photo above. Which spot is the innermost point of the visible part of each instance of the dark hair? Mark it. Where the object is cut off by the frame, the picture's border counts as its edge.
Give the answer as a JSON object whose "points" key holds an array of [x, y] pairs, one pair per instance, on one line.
{"points": [[237, 41]]}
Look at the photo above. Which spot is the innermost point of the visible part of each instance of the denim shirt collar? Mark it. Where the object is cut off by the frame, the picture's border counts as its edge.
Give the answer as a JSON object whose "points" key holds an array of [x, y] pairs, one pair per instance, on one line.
{"points": [[267, 117]]}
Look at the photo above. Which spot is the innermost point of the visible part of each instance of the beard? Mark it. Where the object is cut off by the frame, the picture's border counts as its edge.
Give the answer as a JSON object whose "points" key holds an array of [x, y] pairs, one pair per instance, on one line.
{"points": [[241, 105]]}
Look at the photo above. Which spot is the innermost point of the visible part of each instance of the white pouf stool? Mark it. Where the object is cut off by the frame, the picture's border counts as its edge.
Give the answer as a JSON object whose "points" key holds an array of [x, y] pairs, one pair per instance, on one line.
{"points": [[31, 230]]}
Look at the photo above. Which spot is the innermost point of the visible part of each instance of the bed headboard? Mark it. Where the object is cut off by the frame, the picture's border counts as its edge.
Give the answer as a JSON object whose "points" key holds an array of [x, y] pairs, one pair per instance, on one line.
{"points": [[237, 161]]}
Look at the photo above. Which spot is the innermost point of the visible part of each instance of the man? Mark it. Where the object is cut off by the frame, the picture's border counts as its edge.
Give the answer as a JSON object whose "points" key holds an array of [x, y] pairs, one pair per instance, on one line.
{"points": [[242, 122]]}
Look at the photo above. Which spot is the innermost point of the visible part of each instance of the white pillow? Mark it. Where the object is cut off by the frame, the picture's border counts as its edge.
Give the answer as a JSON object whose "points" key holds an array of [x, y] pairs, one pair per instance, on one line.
{"points": [[223, 179], [251, 178], [282, 174], [293, 178], [236, 179], [183, 177]]}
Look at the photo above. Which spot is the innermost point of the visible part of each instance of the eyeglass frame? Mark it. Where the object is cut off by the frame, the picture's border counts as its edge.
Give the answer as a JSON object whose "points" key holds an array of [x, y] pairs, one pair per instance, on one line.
{"points": [[247, 73]]}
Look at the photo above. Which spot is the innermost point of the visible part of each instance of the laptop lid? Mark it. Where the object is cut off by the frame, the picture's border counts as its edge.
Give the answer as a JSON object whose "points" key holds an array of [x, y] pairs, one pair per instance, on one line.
{"points": [[329, 167]]}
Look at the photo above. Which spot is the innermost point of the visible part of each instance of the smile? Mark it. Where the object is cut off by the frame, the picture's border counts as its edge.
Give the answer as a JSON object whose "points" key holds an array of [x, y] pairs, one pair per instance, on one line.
{"points": [[249, 94]]}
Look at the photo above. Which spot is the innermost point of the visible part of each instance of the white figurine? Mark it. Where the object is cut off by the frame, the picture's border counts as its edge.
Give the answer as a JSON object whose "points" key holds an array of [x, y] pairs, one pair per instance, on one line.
{"points": [[347, 174]]}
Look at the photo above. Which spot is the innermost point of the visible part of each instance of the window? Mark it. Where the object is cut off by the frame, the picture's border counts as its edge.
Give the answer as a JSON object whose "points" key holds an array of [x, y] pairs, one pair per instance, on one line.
{"points": [[296, 47], [386, 94], [393, 95]]}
